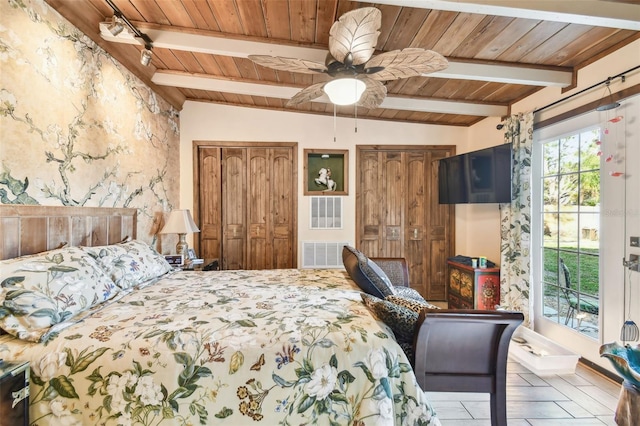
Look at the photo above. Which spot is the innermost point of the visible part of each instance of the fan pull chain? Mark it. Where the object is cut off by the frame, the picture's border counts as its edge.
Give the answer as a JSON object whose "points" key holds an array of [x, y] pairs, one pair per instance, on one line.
{"points": [[356, 122], [356, 108], [334, 123]]}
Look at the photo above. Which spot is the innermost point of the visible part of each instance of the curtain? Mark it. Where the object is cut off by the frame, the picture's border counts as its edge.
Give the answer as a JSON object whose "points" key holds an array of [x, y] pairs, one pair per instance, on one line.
{"points": [[515, 221]]}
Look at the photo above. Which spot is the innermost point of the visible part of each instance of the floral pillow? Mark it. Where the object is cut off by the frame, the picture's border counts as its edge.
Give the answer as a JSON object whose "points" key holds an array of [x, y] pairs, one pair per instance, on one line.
{"points": [[129, 264], [39, 291]]}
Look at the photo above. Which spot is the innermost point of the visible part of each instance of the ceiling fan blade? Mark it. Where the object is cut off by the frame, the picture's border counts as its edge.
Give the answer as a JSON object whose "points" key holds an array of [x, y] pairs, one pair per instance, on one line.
{"points": [[355, 33], [288, 64], [406, 63], [307, 94], [373, 95]]}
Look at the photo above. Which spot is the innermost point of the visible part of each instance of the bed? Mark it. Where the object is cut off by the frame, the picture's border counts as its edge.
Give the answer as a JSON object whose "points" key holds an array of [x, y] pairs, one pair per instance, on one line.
{"points": [[222, 347]]}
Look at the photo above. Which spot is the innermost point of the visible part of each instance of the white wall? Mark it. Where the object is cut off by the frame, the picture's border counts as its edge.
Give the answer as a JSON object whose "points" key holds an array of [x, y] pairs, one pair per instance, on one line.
{"points": [[204, 121]]}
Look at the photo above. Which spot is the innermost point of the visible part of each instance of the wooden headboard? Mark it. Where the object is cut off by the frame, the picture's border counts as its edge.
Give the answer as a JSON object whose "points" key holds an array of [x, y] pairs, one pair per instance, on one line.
{"points": [[32, 229]]}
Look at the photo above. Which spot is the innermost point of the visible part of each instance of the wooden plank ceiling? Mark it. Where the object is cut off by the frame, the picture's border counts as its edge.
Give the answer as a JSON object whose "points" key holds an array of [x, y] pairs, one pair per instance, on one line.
{"points": [[200, 50]]}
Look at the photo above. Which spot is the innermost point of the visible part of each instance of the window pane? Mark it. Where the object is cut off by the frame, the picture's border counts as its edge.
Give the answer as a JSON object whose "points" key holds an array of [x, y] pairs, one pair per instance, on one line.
{"points": [[568, 232], [569, 154], [552, 306], [550, 262], [568, 191], [550, 194], [590, 189], [550, 158], [589, 237], [589, 280], [589, 149], [550, 230], [570, 260]]}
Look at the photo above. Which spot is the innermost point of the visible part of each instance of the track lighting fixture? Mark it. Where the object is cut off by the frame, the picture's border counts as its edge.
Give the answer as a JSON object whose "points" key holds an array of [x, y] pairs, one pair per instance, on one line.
{"points": [[118, 23], [145, 55], [115, 26]]}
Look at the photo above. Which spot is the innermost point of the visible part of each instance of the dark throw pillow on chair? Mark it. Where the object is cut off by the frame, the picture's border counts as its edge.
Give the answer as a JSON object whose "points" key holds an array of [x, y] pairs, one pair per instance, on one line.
{"points": [[364, 272]]}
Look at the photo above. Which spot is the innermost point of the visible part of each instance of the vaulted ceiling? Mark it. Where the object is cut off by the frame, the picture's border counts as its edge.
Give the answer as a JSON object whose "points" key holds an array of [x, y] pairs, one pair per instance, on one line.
{"points": [[499, 52]]}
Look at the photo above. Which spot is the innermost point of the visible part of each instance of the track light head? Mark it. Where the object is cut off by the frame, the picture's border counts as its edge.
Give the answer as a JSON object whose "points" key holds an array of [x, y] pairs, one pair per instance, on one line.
{"points": [[146, 55], [116, 26]]}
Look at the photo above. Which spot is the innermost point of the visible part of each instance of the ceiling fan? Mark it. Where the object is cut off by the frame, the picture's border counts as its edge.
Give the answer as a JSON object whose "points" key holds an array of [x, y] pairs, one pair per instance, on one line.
{"points": [[350, 62]]}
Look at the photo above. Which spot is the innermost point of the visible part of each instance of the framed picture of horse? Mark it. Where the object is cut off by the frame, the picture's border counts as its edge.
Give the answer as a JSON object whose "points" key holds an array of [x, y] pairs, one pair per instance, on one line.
{"points": [[326, 172]]}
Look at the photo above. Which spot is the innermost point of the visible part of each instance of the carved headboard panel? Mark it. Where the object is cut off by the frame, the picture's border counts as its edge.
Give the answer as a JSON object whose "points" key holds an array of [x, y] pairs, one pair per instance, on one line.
{"points": [[32, 229]]}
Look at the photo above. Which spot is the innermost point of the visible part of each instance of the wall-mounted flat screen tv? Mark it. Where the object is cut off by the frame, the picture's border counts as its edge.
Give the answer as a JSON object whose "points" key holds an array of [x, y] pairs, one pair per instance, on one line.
{"points": [[482, 176]]}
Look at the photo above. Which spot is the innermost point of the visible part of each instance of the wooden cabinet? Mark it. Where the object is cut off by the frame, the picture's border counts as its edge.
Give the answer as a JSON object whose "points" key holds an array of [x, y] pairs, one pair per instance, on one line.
{"points": [[246, 204], [473, 288], [398, 214], [14, 393]]}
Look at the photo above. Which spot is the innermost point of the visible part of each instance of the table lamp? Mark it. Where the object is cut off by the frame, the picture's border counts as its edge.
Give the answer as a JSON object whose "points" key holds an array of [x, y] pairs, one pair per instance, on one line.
{"points": [[180, 222]]}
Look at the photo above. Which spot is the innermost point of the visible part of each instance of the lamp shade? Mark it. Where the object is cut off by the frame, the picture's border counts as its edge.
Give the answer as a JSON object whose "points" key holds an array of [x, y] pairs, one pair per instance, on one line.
{"points": [[345, 91], [179, 222]]}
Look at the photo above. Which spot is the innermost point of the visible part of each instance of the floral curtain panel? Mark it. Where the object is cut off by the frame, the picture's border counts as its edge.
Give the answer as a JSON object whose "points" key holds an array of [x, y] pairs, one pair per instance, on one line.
{"points": [[515, 221]]}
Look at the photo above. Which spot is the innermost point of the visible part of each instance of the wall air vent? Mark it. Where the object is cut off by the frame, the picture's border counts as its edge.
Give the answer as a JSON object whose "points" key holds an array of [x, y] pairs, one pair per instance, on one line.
{"points": [[325, 254], [326, 212]]}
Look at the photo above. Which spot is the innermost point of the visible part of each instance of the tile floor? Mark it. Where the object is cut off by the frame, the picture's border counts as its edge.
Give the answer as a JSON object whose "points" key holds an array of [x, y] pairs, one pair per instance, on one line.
{"points": [[585, 398]]}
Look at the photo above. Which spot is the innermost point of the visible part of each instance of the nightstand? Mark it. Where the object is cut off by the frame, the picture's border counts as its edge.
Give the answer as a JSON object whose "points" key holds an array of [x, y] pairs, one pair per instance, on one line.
{"points": [[14, 393], [473, 288]]}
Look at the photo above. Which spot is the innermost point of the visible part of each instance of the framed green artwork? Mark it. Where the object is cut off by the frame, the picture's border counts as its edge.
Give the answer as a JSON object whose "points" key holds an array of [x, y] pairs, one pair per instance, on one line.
{"points": [[326, 172]]}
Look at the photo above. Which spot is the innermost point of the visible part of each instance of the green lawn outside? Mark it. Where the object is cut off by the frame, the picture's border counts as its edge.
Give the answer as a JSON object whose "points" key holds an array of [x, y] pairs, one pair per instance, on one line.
{"points": [[589, 268]]}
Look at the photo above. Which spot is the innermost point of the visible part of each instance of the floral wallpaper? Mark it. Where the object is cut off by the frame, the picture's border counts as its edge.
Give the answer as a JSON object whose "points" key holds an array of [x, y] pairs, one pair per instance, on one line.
{"points": [[77, 128]]}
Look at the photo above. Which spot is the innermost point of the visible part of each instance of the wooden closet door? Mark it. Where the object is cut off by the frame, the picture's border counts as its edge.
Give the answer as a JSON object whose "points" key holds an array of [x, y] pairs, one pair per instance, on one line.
{"points": [[270, 242], [246, 204], [368, 201], [439, 231], [416, 205], [258, 176], [234, 208], [398, 214], [209, 212], [283, 208], [380, 201]]}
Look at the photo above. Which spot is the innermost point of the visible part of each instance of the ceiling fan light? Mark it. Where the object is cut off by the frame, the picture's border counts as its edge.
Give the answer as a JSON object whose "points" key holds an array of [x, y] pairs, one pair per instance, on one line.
{"points": [[345, 91]]}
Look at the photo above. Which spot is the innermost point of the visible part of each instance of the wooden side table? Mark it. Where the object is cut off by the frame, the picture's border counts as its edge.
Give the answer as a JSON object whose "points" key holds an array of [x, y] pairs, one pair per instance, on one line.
{"points": [[14, 393], [473, 288]]}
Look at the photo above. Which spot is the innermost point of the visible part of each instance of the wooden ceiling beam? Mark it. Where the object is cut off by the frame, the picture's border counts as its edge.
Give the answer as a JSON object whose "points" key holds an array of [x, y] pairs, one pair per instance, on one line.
{"points": [[253, 88], [217, 44], [597, 13]]}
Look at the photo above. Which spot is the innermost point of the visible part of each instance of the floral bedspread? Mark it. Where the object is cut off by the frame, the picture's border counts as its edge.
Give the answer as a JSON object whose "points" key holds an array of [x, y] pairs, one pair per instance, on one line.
{"points": [[283, 347]]}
